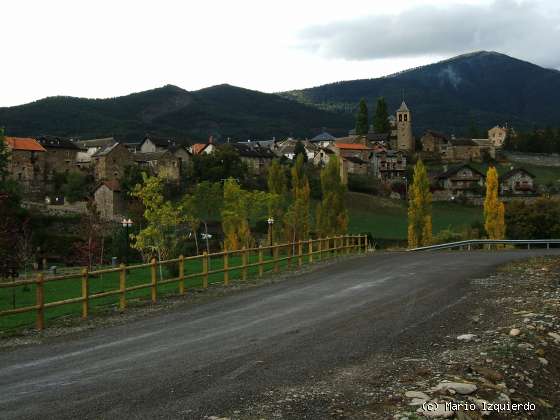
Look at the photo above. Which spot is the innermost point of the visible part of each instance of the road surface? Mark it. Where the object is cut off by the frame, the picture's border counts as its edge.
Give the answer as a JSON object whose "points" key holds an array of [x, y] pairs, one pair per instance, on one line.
{"points": [[209, 358]]}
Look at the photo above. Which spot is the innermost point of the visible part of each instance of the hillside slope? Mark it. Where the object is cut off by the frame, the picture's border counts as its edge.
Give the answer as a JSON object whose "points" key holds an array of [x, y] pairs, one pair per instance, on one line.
{"points": [[486, 88]]}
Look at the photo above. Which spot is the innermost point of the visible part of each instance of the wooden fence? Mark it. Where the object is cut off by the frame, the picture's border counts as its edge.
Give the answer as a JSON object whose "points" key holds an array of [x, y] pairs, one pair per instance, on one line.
{"points": [[290, 253]]}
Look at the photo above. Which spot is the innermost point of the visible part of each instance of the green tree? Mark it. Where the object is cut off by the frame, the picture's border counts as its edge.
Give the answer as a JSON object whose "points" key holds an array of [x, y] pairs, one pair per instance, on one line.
{"points": [[222, 164], [362, 122], [381, 117], [296, 219], [494, 222], [332, 216], [299, 149], [419, 208], [277, 182], [76, 187], [160, 236]]}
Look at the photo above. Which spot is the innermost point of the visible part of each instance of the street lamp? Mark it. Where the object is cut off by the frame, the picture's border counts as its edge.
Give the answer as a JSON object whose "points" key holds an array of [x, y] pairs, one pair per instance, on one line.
{"points": [[126, 224], [270, 223]]}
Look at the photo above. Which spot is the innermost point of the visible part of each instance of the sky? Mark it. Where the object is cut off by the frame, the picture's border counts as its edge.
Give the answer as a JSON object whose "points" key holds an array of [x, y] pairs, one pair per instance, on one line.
{"points": [[102, 48]]}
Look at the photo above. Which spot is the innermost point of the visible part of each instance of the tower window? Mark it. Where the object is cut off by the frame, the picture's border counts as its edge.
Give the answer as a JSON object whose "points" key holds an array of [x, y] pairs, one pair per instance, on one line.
{"points": [[400, 117], [406, 117]]}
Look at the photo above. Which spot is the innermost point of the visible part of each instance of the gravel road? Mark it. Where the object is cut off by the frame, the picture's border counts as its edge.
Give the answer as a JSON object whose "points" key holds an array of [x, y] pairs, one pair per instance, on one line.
{"points": [[208, 359]]}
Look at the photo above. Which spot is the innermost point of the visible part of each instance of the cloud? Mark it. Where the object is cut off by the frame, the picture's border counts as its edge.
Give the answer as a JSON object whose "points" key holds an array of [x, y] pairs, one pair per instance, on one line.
{"points": [[523, 30]]}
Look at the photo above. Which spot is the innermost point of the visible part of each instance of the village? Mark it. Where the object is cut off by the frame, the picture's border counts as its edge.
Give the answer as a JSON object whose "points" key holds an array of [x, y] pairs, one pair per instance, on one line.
{"points": [[36, 163]]}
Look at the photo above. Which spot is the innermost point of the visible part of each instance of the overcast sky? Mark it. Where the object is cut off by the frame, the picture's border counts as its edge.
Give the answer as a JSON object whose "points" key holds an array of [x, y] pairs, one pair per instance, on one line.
{"points": [[108, 48]]}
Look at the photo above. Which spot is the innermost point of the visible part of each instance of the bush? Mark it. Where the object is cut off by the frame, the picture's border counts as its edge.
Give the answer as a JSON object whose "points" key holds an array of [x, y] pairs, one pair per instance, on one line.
{"points": [[367, 184]]}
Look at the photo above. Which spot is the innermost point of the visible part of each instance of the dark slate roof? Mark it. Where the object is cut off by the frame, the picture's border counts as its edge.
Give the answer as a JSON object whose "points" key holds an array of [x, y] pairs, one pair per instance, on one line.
{"points": [[463, 142], [438, 134], [159, 142], [355, 159], [104, 151], [324, 136], [509, 174], [84, 144], [453, 170], [149, 157], [378, 137], [252, 150], [56, 143]]}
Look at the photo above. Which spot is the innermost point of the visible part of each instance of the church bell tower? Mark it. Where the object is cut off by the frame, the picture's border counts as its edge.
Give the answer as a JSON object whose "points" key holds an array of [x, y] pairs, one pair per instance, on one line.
{"points": [[405, 140]]}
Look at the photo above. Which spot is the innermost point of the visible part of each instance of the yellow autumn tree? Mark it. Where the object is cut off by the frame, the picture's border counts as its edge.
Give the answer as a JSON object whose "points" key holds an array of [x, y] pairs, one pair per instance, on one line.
{"points": [[419, 208], [296, 219], [494, 222]]}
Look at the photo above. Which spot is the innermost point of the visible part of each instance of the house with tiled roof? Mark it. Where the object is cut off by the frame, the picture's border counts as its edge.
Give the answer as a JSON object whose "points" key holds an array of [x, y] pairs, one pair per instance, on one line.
{"points": [[109, 200], [389, 165], [257, 158], [163, 164], [110, 162], [61, 154], [89, 147], [463, 180], [518, 182], [26, 164], [287, 148]]}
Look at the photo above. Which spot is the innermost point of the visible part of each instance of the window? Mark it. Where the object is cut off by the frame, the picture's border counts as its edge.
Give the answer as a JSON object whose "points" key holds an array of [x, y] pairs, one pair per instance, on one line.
{"points": [[405, 117], [400, 117]]}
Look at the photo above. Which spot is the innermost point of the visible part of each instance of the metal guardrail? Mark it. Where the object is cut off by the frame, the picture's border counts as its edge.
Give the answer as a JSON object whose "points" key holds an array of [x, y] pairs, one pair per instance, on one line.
{"points": [[468, 244]]}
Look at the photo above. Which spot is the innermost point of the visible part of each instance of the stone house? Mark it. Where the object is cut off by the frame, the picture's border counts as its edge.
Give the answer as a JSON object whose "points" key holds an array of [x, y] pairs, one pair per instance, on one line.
{"points": [[322, 157], [518, 182], [257, 158], [163, 164], [152, 144], [110, 161], [26, 164], [460, 150], [358, 150], [355, 165], [287, 148], [434, 142], [61, 155], [463, 180], [87, 148], [497, 135], [109, 200], [389, 165]]}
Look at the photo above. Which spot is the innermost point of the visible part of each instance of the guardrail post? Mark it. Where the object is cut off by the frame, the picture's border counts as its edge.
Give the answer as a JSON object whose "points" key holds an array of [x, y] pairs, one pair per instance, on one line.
{"points": [[243, 264], [122, 287], [85, 293], [275, 256], [548, 245], [181, 275], [226, 267], [205, 269], [528, 245], [40, 301], [261, 268], [300, 253], [154, 280]]}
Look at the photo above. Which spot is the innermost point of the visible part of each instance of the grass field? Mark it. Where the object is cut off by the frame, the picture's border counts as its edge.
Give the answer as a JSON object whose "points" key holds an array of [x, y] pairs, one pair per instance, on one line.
{"points": [[387, 219], [71, 288]]}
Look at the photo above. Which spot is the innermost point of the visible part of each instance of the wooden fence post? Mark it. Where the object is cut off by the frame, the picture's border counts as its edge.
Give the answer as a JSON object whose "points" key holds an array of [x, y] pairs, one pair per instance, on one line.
{"points": [[275, 256], [85, 293], [347, 242], [40, 301], [289, 260], [310, 250], [154, 280], [122, 287], [181, 275], [243, 264], [300, 254], [226, 267], [260, 261], [205, 269]]}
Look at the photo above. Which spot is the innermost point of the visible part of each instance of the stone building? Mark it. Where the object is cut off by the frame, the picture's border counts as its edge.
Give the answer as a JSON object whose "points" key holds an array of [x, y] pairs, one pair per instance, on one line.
{"points": [[497, 135], [405, 139], [87, 148], [163, 164], [257, 158], [434, 142], [359, 150], [463, 180], [518, 182], [355, 165], [61, 155], [152, 144], [109, 200], [460, 150], [110, 161], [322, 157], [390, 165], [26, 165]]}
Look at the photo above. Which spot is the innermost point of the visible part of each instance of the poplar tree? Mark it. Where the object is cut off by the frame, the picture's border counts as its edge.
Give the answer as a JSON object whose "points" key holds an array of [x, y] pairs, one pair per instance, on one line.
{"points": [[277, 182], [381, 117], [296, 219], [332, 216], [419, 208], [362, 123], [493, 208], [235, 217]]}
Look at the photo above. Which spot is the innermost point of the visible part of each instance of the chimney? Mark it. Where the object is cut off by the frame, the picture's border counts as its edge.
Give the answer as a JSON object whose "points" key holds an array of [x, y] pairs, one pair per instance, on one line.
{"points": [[210, 139]]}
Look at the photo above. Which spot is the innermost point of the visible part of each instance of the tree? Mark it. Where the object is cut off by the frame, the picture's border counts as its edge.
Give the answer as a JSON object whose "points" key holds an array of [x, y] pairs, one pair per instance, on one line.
{"points": [[91, 244], [4, 156], [493, 208], [381, 117], [277, 182], [332, 216], [296, 218], [223, 163], [159, 237], [76, 186], [299, 149], [362, 123], [419, 208]]}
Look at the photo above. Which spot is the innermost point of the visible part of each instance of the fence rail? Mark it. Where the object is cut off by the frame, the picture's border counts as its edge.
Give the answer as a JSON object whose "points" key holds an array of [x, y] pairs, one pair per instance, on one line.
{"points": [[469, 244], [290, 253]]}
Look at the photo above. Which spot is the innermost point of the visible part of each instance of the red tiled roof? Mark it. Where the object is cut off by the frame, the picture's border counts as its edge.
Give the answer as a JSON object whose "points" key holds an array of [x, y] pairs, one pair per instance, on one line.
{"points": [[24, 143], [352, 146], [112, 184], [197, 148]]}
